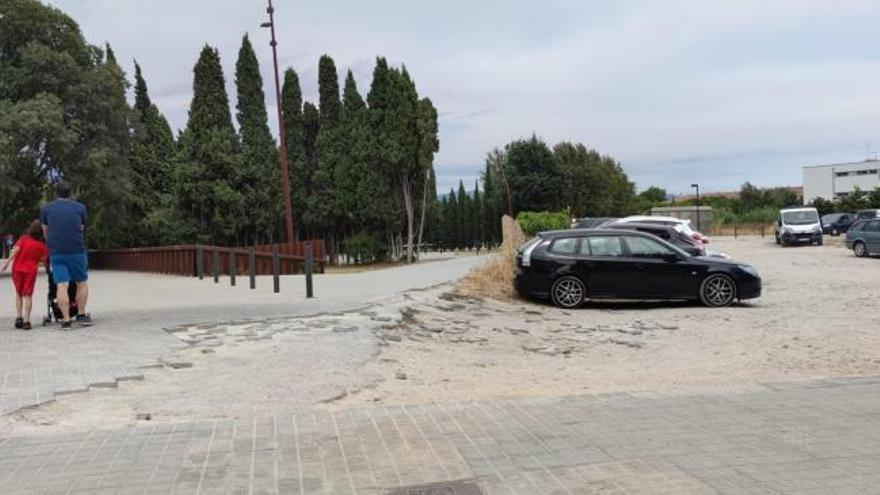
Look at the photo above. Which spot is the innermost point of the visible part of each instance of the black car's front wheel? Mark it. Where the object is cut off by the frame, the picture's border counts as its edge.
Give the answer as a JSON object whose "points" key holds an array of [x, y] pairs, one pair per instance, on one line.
{"points": [[568, 292], [717, 291]]}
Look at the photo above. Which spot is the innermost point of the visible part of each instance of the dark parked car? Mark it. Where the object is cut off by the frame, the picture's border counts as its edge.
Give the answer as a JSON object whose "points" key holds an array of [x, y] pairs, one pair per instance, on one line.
{"points": [[837, 223], [668, 233], [570, 266], [864, 238], [591, 223]]}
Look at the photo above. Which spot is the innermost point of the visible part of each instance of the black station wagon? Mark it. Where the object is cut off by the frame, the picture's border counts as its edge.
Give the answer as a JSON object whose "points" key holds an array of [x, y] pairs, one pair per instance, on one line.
{"points": [[571, 266]]}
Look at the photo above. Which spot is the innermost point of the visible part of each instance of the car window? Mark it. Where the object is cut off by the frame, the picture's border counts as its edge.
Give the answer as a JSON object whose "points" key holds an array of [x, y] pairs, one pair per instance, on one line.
{"points": [[566, 245], [873, 226], [661, 233], [605, 246], [858, 226], [640, 247]]}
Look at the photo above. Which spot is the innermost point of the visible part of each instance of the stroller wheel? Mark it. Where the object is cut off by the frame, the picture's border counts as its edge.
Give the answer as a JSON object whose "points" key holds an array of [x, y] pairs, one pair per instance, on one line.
{"points": [[46, 321]]}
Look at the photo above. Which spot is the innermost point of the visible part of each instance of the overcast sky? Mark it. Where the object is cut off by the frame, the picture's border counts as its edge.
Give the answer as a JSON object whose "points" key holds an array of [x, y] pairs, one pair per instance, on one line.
{"points": [[717, 92]]}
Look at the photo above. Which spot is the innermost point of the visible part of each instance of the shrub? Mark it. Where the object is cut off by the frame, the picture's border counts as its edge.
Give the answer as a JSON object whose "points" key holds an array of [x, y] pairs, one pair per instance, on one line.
{"points": [[363, 247], [533, 222]]}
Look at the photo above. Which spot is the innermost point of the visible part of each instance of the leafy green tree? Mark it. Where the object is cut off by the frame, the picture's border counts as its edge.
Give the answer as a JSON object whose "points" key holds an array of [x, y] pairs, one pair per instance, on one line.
{"points": [[854, 201], [211, 161], [595, 184], [258, 177], [874, 198], [823, 206], [63, 115], [535, 175]]}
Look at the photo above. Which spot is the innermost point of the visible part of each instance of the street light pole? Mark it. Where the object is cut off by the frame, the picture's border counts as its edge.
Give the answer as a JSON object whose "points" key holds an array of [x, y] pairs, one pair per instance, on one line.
{"points": [[697, 186], [282, 155]]}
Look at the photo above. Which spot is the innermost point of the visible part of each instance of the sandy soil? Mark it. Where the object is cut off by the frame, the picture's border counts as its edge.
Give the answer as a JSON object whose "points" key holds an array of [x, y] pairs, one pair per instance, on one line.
{"points": [[818, 318]]}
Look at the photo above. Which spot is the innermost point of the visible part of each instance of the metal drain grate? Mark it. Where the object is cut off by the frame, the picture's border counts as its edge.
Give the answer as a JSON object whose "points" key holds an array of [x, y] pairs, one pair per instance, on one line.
{"points": [[444, 488]]}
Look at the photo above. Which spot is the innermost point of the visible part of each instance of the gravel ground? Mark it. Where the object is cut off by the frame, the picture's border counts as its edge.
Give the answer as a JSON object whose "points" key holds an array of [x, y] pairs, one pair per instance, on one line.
{"points": [[817, 318]]}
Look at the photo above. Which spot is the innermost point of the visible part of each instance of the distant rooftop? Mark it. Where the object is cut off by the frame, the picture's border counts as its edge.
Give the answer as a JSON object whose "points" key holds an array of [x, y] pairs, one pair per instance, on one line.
{"points": [[871, 161]]}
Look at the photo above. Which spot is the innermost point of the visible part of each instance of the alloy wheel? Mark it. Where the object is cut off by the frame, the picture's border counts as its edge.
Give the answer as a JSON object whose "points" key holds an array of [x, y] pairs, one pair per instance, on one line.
{"points": [[718, 290], [568, 292], [860, 250]]}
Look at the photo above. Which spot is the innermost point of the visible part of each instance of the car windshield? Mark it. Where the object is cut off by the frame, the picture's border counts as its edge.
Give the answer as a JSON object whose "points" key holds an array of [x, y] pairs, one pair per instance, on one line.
{"points": [[803, 217]]}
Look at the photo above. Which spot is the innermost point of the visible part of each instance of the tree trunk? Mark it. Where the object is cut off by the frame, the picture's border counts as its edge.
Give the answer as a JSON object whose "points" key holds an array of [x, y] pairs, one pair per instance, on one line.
{"points": [[424, 207], [408, 206]]}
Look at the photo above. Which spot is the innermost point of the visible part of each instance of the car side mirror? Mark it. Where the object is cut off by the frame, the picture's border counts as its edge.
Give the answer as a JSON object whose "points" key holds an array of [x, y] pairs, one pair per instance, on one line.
{"points": [[671, 258]]}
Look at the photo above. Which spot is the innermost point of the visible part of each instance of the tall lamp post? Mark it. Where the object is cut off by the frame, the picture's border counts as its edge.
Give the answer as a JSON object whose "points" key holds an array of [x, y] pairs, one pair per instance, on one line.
{"points": [[282, 155], [697, 187]]}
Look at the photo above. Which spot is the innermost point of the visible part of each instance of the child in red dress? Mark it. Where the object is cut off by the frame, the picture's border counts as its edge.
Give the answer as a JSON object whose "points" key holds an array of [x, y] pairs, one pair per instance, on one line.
{"points": [[26, 256]]}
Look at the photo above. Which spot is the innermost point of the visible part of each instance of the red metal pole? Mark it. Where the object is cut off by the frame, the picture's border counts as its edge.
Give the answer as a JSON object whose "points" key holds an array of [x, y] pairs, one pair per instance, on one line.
{"points": [[282, 155]]}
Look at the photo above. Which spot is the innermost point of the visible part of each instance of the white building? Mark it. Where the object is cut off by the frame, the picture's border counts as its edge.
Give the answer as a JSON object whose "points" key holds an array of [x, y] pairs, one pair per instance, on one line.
{"points": [[833, 181]]}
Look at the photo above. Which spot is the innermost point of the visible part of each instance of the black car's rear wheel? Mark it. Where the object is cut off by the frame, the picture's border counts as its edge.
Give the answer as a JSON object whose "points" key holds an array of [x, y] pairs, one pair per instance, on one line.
{"points": [[568, 292], [717, 291], [859, 249]]}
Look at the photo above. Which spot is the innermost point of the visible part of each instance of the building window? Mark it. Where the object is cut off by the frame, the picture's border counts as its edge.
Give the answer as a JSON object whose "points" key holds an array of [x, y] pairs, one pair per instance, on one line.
{"points": [[841, 174]]}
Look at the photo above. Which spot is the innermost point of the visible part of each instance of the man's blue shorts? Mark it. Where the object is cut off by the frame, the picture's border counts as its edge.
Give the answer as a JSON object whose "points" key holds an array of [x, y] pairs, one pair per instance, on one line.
{"points": [[69, 268]]}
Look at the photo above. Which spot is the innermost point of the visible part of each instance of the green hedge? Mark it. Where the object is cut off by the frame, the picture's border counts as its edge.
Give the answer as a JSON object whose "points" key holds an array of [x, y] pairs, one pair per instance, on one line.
{"points": [[532, 222]]}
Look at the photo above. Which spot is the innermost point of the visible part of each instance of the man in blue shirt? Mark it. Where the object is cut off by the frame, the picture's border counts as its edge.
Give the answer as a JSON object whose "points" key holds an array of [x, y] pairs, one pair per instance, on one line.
{"points": [[64, 222]]}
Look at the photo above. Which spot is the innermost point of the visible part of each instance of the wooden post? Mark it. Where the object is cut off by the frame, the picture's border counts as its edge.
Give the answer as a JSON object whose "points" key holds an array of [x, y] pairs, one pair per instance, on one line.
{"points": [[215, 265], [232, 267], [200, 262], [252, 267], [735, 230], [276, 269], [762, 231], [310, 293]]}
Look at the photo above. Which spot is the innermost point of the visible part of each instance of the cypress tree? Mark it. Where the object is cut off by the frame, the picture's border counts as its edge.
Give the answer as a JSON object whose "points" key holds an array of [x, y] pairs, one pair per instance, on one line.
{"points": [[324, 206], [428, 144], [465, 216], [110, 56], [209, 175], [153, 166], [453, 221], [295, 134], [311, 128], [349, 172], [478, 215], [258, 179], [491, 207], [328, 93]]}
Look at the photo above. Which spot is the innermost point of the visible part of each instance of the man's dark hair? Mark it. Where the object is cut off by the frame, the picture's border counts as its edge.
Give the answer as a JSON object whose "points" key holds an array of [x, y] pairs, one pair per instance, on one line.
{"points": [[62, 190]]}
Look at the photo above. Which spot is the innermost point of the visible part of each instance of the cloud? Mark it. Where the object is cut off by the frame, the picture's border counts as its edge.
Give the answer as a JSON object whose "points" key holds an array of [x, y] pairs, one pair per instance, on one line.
{"points": [[749, 89]]}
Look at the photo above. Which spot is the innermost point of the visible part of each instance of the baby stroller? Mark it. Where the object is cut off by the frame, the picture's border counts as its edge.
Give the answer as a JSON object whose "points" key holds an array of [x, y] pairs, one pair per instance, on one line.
{"points": [[54, 310]]}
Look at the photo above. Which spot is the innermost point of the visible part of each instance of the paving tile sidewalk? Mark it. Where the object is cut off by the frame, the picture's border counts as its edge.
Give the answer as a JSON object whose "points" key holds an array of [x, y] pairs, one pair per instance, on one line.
{"points": [[132, 310], [817, 437]]}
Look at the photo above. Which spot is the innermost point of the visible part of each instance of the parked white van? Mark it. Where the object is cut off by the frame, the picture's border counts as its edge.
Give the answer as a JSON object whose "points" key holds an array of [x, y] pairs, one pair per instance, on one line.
{"points": [[798, 226]]}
